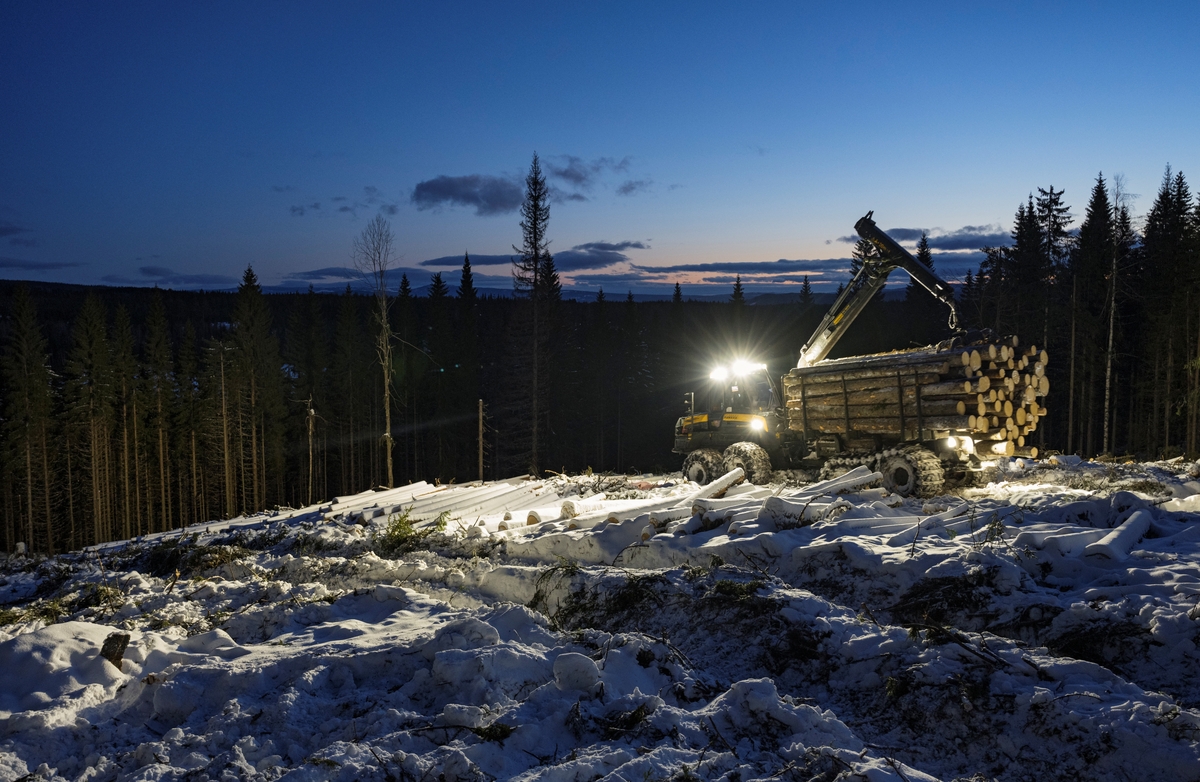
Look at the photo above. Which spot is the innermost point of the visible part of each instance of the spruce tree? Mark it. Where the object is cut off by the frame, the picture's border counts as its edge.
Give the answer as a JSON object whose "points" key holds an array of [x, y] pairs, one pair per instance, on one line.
{"points": [[437, 288], [348, 372], [306, 355], [530, 282], [921, 307], [260, 402], [440, 346], [466, 283], [127, 412], [1088, 269], [89, 393], [552, 284], [158, 387], [806, 295], [677, 295], [189, 425], [29, 404], [466, 381]]}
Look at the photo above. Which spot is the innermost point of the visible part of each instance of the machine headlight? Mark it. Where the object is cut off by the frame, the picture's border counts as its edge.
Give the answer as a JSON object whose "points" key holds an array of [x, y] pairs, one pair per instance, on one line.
{"points": [[964, 444], [741, 367], [719, 374], [758, 424]]}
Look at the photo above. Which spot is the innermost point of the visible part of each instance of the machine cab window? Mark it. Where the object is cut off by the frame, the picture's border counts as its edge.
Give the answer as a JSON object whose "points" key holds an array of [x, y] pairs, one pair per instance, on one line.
{"points": [[740, 388]]}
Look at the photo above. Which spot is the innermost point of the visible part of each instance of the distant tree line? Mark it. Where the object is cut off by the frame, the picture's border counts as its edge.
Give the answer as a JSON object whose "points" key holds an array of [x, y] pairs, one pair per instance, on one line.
{"points": [[126, 411]]}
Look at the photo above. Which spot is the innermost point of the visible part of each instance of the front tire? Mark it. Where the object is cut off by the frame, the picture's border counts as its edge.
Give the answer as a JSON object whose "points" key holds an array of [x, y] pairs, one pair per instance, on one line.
{"points": [[702, 466], [753, 460]]}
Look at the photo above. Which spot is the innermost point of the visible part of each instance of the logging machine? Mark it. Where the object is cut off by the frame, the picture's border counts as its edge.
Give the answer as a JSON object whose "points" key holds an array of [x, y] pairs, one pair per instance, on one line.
{"points": [[917, 416]]}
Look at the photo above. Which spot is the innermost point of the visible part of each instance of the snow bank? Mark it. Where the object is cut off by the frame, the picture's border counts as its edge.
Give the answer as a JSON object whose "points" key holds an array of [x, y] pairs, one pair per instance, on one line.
{"points": [[1043, 626]]}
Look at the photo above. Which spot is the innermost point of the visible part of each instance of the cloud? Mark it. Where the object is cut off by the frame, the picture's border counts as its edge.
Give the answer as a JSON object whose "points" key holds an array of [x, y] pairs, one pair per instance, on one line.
{"points": [[33, 266], [633, 186], [298, 211], [595, 255], [161, 275], [583, 174], [560, 196], [899, 234], [328, 273], [614, 246], [779, 267], [14, 230], [969, 237], [476, 260], [617, 281], [490, 195], [371, 197], [954, 265], [589, 255], [906, 234]]}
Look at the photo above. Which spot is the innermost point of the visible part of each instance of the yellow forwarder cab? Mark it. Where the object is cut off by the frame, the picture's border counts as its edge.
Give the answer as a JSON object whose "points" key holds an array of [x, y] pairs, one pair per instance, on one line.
{"points": [[736, 420]]}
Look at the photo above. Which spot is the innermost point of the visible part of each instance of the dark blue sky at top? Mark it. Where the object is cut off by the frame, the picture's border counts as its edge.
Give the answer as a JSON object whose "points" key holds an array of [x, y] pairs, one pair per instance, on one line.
{"points": [[173, 144]]}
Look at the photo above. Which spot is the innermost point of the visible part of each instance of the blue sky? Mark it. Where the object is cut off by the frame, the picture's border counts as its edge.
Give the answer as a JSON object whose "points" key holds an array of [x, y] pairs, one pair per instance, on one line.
{"points": [[176, 143]]}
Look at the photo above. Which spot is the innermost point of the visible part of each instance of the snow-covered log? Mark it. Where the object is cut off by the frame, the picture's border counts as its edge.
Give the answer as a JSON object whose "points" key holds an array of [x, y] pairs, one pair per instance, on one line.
{"points": [[1117, 544]]}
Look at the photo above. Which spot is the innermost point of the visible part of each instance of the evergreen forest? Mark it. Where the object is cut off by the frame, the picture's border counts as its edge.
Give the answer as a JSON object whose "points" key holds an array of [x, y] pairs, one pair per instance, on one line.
{"points": [[127, 411]]}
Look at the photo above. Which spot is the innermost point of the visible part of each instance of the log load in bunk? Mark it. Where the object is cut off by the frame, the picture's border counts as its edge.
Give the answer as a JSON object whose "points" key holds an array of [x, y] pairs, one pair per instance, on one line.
{"points": [[993, 393]]}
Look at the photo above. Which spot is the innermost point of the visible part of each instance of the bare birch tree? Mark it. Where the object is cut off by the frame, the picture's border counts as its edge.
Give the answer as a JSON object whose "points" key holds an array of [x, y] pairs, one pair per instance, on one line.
{"points": [[372, 254]]}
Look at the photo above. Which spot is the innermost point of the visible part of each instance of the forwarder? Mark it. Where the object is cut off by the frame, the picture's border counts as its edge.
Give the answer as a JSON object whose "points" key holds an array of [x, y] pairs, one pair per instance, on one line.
{"points": [[914, 415]]}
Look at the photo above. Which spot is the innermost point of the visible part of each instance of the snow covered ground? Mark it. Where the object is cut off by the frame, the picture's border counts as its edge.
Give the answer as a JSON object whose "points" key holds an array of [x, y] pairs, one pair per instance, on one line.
{"points": [[1043, 627]]}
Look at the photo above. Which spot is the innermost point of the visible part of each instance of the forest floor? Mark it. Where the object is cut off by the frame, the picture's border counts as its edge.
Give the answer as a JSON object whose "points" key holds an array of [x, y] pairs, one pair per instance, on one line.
{"points": [[1043, 626]]}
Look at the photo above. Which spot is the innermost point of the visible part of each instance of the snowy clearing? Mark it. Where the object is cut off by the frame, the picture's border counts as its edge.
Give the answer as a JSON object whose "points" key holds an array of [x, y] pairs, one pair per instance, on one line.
{"points": [[1041, 627]]}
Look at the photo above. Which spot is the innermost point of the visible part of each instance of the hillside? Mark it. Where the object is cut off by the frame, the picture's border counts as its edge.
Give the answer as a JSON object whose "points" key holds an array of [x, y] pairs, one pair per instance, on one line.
{"points": [[1042, 626]]}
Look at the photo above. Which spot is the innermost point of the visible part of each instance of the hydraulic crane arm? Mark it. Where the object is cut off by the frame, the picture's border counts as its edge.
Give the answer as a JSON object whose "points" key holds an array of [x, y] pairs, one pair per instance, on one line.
{"points": [[870, 278]]}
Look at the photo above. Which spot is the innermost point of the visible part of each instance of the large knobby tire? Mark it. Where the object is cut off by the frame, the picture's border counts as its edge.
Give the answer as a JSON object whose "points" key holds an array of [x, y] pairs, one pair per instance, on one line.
{"points": [[753, 460], [931, 477], [899, 475], [702, 466], [914, 472]]}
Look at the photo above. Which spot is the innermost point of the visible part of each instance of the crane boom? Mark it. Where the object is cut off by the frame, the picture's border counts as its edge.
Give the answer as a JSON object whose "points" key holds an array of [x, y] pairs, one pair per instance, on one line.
{"points": [[870, 279]]}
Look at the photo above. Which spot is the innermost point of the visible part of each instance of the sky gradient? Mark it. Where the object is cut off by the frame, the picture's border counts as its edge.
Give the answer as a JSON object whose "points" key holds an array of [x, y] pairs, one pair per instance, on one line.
{"points": [[173, 144]]}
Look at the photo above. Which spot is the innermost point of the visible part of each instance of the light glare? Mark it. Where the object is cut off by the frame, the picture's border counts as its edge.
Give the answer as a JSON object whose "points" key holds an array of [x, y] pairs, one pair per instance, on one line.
{"points": [[742, 367]]}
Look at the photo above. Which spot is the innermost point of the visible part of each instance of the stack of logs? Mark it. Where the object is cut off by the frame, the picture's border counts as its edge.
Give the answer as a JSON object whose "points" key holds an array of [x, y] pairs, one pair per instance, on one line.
{"points": [[992, 393]]}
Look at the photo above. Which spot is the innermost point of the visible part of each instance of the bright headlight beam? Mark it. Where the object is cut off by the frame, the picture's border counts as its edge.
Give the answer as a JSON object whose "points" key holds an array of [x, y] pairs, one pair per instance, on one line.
{"points": [[743, 367], [720, 373], [757, 424]]}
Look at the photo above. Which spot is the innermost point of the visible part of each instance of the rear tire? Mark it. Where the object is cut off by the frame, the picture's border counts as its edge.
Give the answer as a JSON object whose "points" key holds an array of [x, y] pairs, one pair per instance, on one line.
{"points": [[753, 460], [702, 466], [899, 475], [914, 472]]}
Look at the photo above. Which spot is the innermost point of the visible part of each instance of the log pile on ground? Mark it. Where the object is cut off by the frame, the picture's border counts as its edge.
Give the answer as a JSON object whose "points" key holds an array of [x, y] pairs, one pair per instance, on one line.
{"points": [[991, 392]]}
